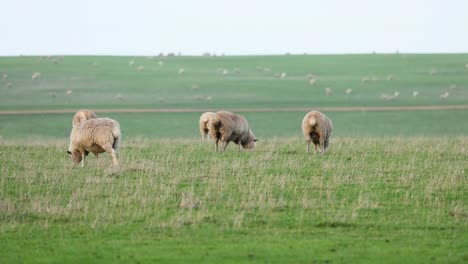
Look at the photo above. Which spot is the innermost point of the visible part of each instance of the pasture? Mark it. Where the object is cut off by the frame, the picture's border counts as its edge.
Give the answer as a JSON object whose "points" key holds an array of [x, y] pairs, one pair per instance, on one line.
{"points": [[391, 188]]}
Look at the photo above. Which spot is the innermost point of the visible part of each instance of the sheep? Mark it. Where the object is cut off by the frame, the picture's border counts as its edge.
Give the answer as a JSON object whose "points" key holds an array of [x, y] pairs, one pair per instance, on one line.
{"points": [[312, 81], [203, 123], [328, 91], [466, 66], [415, 93], [349, 91], [317, 128], [365, 79], [69, 92], [82, 115], [35, 75], [141, 68], [4, 76], [283, 75], [181, 71], [433, 72], [96, 135], [390, 77], [444, 95], [227, 126], [131, 63]]}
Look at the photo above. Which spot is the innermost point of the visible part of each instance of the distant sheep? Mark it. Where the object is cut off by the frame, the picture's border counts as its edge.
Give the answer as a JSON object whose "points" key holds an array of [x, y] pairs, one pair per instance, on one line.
{"points": [[4, 76], [69, 92], [141, 68], [415, 93], [95, 135], [312, 81], [35, 75], [328, 91], [390, 77], [205, 118], [349, 91], [444, 95], [227, 126], [131, 63], [82, 115], [181, 71], [317, 128], [433, 72], [283, 75], [466, 66]]}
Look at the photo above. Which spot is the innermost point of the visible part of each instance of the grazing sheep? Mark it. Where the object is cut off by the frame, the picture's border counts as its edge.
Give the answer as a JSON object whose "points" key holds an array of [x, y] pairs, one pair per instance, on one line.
{"points": [[35, 75], [181, 71], [203, 123], [312, 81], [4, 76], [227, 126], [433, 72], [95, 135], [415, 93], [9, 85], [225, 72], [69, 92], [317, 128], [466, 66], [195, 87], [283, 75], [161, 63], [444, 95], [349, 91], [388, 97], [131, 63], [141, 68], [390, 77], [365, 79], [82, 115], [328, 91], [396, 94]]}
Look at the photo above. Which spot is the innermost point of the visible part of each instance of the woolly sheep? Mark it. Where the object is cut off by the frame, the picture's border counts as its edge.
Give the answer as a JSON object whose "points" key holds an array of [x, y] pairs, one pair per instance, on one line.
{"points": [[317, 128], [82, 115], [203, 123], [95, 135], [227, 126], [35, 75]]}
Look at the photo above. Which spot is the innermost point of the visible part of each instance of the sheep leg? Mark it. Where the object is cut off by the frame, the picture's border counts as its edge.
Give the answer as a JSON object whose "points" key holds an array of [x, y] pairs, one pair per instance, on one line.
{"points": [[322, 148], [216, 143], [114, 159], [82, 159], [308, 146], [225, 145], [240, 149]]}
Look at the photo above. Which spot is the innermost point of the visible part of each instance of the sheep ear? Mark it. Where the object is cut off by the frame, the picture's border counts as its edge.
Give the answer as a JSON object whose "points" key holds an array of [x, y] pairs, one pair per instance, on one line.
{"points": [[68, 152]]}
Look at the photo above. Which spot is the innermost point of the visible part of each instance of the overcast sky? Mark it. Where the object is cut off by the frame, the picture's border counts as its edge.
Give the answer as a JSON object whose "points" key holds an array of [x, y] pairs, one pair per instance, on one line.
{"points": [[138, 27]]}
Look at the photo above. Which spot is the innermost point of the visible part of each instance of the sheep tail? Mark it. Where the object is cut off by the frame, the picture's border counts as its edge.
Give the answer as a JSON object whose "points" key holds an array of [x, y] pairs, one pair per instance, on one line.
{"points": [[117, 137], [214, 125], [312, 121]]}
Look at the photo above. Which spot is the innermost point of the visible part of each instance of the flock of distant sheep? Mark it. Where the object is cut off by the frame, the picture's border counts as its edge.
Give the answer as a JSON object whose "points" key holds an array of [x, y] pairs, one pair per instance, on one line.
{"points": [[98, 135]]}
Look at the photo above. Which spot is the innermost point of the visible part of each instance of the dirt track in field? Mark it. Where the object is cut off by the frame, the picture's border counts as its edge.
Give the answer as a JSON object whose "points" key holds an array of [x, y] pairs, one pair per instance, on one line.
{"points": [[200, 110]]}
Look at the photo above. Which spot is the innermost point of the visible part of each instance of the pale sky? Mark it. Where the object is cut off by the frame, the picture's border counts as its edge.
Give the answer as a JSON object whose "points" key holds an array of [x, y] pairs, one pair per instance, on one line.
{"points": [[240, 27]]}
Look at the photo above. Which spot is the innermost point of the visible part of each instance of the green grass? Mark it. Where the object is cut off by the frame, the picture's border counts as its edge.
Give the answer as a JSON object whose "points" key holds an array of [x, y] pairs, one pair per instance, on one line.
{"points": [[162, 87], [367, 200], [392, 188], [265, 125]]}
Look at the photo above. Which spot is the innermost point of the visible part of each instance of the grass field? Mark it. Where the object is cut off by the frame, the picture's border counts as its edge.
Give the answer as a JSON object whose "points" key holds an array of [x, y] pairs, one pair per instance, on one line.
{"points": [[367, 200], [392, 187], [162, 87]]}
